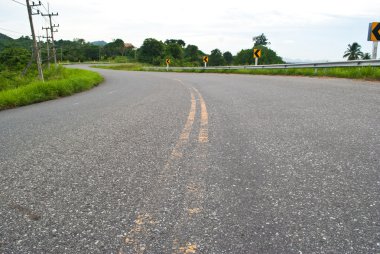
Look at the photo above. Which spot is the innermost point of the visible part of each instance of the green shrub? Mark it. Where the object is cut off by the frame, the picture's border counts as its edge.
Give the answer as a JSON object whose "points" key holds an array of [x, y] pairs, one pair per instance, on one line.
{"points": [[60, 82], [14, 59]]}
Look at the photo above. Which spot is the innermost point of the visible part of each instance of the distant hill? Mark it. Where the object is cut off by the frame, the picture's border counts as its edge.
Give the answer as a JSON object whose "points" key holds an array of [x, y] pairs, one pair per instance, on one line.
{"points": [[5, 41], [4, 37], [99, 43], [23, 42]]}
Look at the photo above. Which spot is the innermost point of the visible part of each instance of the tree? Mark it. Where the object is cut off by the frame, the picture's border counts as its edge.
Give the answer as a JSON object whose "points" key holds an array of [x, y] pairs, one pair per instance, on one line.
{"points": [[115, 48], [119, 46], [79, 41], [14, 58], [130, 50], [227, 57], [173, 41], [191, 53], [216, 58], [260, 40], [366, 56], [353, 51], [91, 52], [152, 51], [244, 57], [268, 56], [173, 49]]}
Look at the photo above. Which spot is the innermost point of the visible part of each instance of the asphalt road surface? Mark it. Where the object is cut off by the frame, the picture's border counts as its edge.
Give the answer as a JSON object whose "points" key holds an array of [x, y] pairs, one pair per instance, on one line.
{"points": [[194, 163]]}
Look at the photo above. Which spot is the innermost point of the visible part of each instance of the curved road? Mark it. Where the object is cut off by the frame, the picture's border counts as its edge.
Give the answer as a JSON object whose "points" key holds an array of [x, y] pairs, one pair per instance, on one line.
{"points": [[194, 163]]}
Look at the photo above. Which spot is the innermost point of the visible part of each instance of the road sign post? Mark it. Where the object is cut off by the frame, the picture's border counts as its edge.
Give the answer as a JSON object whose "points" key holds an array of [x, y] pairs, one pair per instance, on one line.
{"points": [[374, 35], [256, 55], [374, 50], [167, 64], [205, 60]]}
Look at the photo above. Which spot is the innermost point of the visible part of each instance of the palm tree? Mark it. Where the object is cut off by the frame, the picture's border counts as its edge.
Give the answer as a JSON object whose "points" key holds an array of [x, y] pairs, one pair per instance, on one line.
{"points": [[353, 51], [366, 56]]}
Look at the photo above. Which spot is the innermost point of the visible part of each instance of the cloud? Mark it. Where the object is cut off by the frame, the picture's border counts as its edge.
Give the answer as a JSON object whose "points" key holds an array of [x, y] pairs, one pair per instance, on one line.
{"points": [[293, 26]]}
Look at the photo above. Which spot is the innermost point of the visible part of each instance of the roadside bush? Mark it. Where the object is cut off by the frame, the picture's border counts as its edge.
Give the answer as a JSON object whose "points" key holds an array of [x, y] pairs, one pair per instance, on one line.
{"points": [[14, 59], [59, 82]]}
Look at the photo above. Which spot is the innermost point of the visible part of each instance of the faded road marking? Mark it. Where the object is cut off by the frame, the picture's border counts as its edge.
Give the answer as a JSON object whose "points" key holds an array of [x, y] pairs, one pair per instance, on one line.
{"points": [[203, 132], [184, 136], [144, 230], [190, 120], [188, 249], [144, 223], [193, 211]]}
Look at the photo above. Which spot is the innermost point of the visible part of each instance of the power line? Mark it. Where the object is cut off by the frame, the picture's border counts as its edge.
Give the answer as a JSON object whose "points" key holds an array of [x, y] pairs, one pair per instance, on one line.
{"points": [[10, 30], [18, 2], [46, 20], [33, 7], [46, 9]]}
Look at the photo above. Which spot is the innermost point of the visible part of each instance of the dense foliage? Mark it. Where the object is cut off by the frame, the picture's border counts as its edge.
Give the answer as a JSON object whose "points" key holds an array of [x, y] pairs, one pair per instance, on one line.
{"points": [[268, 56], [152, 51], [260, 40], [14, 58]]}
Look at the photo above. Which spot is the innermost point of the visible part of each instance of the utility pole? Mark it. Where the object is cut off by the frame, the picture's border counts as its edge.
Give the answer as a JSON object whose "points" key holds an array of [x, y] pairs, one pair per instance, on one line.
{"points": [[47, 45], [35, 46], [52, 34]]}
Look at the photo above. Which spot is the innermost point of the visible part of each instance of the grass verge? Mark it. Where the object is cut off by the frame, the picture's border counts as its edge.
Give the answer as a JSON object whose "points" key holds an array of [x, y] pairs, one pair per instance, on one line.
{"points": [[123, 67], [364, 73], [59, 83]]}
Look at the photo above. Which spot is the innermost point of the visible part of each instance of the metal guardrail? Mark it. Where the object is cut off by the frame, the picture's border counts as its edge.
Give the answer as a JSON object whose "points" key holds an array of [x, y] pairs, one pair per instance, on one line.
{"points": [[353, 63]]}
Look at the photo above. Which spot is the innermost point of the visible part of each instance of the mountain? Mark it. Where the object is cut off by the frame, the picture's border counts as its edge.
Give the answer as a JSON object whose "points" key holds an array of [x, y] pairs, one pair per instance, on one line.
{"points": [[4, 37], [22, 42], [99, 43], [5, 41]]}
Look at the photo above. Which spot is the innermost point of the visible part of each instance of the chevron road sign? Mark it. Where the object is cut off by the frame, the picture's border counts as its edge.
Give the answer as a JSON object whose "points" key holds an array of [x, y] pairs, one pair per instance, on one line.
{"points": [[374, 31], [256, 53]]}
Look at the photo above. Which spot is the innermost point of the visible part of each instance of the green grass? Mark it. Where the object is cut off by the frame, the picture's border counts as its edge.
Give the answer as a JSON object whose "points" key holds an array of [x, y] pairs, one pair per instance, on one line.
{"points": [[365, 73], [123, 67], [11, 80], [59, 83]]}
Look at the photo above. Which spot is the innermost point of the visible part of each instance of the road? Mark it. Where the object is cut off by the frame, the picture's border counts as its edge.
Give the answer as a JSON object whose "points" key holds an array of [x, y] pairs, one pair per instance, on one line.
{"points": [[194, 163]]}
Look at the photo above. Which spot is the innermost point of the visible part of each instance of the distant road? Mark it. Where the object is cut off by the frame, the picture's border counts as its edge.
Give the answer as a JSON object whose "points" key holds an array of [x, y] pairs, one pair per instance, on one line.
{"points": [[194, 163]]}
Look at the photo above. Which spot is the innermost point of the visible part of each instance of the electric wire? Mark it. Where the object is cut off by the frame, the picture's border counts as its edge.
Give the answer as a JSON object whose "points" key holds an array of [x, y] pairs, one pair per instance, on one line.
{"points": [[18, 2], [10, 30]]}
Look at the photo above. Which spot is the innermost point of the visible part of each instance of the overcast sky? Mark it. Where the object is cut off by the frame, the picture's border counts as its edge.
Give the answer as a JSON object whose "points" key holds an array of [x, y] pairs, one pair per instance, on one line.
{"points": [[297, 29]]}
